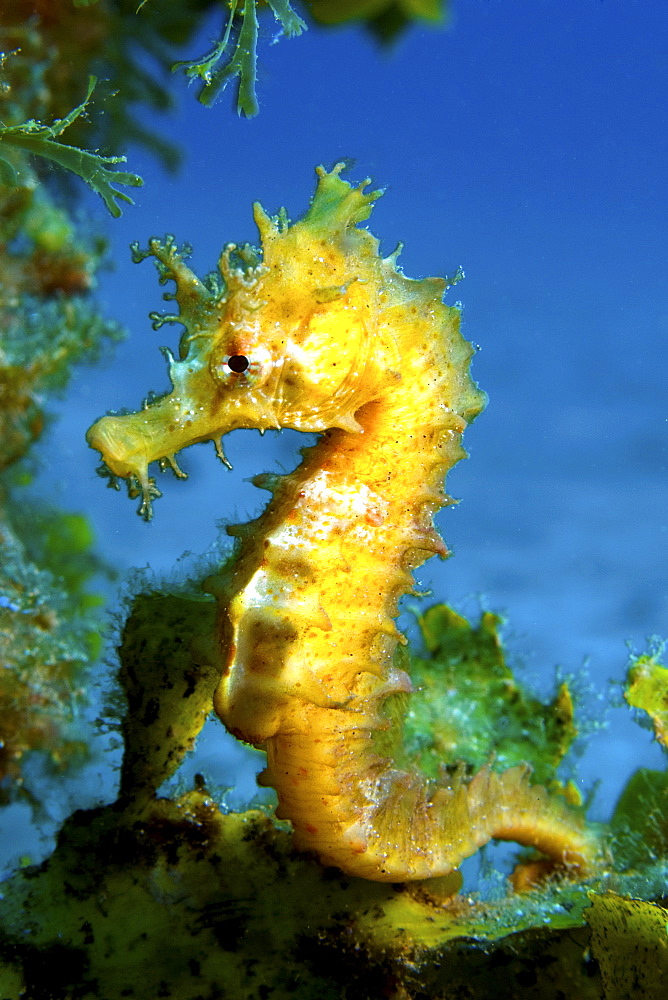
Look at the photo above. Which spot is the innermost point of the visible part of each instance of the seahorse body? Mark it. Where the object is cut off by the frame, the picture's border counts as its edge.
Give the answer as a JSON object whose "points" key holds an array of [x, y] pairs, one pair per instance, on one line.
{"points": [[324, 335]]}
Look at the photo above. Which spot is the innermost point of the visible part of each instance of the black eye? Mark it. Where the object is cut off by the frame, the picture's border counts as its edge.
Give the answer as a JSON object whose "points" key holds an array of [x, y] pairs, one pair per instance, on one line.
{"points": [[238, 363]]}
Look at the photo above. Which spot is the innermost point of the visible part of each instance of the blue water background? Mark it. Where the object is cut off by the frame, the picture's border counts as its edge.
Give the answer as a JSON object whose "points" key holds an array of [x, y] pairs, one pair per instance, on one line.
{"points": [[526, 142]]}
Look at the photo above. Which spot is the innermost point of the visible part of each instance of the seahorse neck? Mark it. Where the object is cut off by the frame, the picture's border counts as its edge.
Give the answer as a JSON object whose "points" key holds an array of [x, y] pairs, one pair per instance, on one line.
{"points": [[396, 468]]}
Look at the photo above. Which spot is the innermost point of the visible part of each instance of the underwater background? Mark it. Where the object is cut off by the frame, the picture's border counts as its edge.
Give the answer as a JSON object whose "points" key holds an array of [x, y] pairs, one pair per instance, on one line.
{"points": [[525, 142]]}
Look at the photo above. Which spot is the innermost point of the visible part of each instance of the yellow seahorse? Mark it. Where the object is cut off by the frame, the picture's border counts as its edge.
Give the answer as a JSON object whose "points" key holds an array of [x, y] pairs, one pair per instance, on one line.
{"points": [[320, 333]]}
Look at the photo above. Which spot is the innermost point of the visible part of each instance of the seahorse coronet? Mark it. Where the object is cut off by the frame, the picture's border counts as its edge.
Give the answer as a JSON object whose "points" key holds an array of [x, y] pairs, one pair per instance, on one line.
{"points": [[326, 336]]}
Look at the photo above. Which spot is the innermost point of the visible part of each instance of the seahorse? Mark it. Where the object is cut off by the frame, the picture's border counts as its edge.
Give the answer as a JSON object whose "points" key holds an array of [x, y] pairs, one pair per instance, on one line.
{"points": [[316, 331]]}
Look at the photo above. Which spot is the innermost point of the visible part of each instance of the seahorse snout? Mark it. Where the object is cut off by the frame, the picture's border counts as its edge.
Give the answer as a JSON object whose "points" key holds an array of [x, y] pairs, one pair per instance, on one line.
{"points": [[122, 451]]}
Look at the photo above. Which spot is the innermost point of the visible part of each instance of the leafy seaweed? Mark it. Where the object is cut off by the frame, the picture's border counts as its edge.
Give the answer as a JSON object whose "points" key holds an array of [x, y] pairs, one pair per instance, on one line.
{"points": [[494, 716], [216, 73], [647, 689], [640, 821], [42, 140], [629, 942]]}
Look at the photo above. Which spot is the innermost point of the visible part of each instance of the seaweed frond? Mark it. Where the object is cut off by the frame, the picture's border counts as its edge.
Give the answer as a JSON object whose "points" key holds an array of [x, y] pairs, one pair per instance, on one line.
{"points": [[217, 69], [98, 171]]}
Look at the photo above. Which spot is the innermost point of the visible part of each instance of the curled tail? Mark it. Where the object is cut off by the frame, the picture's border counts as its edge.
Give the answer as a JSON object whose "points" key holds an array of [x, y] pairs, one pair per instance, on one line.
{"points": [[359, 812]]}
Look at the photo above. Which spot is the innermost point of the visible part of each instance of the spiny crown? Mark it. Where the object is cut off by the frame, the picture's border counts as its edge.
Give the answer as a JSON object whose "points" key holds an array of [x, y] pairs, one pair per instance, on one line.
{"points": [[292, 321]]}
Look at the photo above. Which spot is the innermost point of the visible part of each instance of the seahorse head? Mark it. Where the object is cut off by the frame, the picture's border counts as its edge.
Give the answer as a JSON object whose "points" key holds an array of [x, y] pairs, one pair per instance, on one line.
{"points": [[290, 335]]}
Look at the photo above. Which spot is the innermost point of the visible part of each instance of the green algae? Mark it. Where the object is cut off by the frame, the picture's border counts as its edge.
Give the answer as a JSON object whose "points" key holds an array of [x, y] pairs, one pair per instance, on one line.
{"points": [[39, 139], [469, 707], [233, 59], [647, 690], [639, 823], [183, 901], [45, 649], [629, 940], [167, 686], [49, 621]]}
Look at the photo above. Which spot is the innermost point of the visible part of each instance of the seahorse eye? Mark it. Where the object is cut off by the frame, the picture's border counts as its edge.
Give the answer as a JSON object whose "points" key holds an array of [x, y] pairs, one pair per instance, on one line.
{"points": [[238, 363], [237, 372]]}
